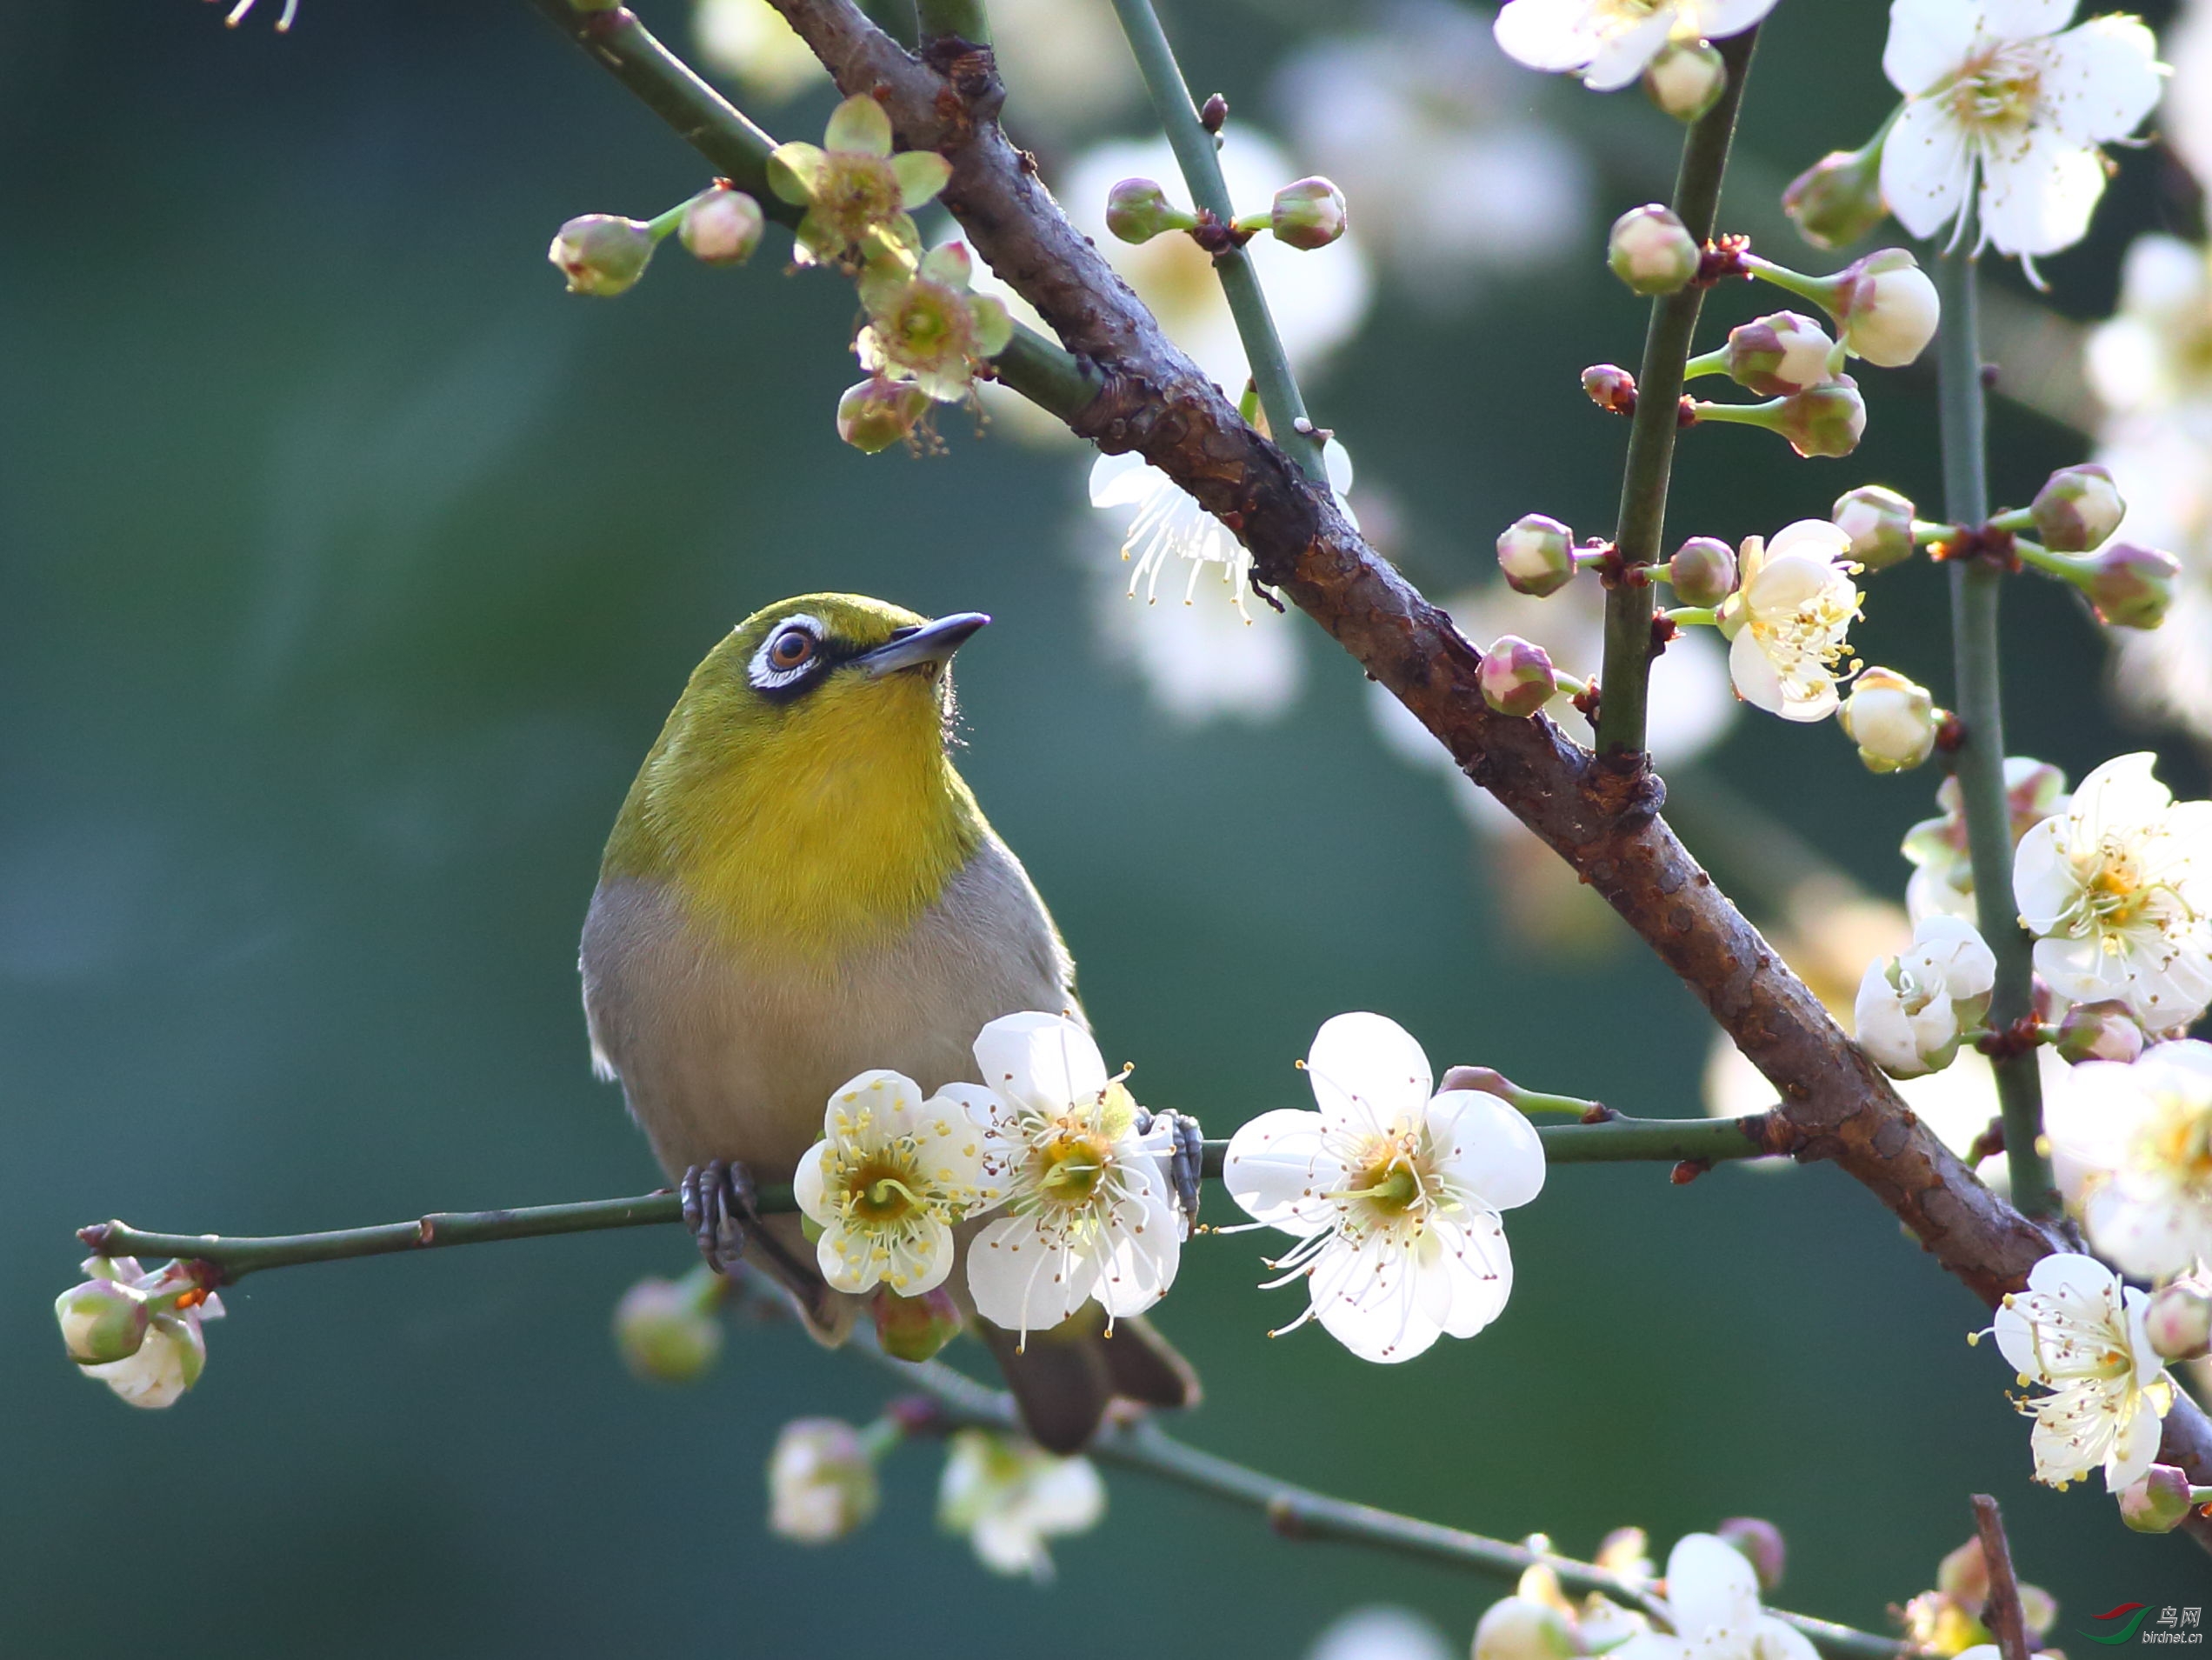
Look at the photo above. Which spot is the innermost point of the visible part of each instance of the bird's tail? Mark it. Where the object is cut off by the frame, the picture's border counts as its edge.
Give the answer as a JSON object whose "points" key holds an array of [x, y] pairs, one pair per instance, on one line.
{"points": [[1064, 1379]]}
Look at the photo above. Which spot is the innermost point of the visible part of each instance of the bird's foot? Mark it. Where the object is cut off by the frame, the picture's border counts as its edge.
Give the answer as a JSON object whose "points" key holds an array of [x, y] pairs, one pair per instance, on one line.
{"points": [[718, 1200], [1187, 1147]]}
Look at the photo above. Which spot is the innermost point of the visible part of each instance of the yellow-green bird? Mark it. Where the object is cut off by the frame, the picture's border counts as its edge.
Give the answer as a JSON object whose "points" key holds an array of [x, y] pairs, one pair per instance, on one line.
{"points": [[801, 888]]}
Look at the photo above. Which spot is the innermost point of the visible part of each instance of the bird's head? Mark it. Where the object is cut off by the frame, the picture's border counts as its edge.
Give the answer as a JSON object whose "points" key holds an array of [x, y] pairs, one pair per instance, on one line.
{"points": [[832, 670]]}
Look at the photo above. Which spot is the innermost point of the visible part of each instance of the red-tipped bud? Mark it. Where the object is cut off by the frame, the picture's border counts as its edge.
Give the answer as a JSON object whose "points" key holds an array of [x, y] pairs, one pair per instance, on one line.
{"points": [[1308, 214], [1538, 554], [2077, 508], [878, 413], [1779, 354], [1611, 388], [1761, 1545], [602, 253], [2179, 1319], [1651, 251], [2131, 587], [1879, 523], [721, 228], [1516, 676], [1702, 571], [1838, 198], [2100, 1031]]}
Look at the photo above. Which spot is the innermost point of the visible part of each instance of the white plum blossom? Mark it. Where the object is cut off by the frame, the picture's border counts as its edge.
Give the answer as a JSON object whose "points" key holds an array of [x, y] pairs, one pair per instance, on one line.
{"points": [[1786, 624], [1942, 883], [2149, 1144], [1994, 91], [1088, 1210], [1712, 1600], [890, 1175], [1392, 1193], [2077, 1333], [173, 1353], [1205, 660], [749, 42], [821, 1482], [1912, 1007], [2117, 890], [1609, 43], [1009, 1497]]}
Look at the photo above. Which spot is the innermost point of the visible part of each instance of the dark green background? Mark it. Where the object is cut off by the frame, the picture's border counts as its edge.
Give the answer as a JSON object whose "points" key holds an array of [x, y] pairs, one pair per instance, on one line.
{"points": [[349, 566]]}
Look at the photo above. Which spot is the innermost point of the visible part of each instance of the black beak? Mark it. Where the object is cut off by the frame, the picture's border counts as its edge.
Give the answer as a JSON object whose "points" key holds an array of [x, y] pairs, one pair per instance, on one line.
{"points": [[924, 647]]}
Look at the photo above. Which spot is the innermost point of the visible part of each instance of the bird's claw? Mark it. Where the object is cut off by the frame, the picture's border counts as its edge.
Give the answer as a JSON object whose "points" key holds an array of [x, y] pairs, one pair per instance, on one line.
{"points": [[718, 1200], [1186, 1155]]}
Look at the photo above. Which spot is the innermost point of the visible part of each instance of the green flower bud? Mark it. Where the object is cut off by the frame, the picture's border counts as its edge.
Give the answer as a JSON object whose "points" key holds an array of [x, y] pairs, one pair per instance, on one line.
{"points": [[1879, 523], [2179, 1319], [1778, 355], [2157, 1501], [1611, 388], [1891, 719], [602, 253], [1516, 677], [914, 1328], [721, 228], [1838, 198], [821, 1481], [1964, 1575], [1886, 307], [2100, 1031], [102, 1320], [1823, 420], [1538, 554], [1308, 214], [2131, 587], [878, 413], [1702, 571], [2077, 508], [667, 1331], [1138, 210], [1761, 1545], [1651, 251], [1686, 79]]}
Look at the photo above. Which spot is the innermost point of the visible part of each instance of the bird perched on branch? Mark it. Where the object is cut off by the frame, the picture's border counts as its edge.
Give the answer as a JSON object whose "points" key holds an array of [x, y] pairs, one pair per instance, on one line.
{"points": [[801, 888]]}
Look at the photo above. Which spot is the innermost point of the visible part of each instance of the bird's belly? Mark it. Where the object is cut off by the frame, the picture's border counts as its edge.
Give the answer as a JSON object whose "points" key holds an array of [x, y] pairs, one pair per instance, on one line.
{"points": [[729, 1052]]}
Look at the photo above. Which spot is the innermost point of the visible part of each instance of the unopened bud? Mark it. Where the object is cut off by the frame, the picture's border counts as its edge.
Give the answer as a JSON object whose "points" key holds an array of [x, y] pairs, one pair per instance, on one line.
{"points": [[1138, 210], [2038, 1612], [821, 1481], [1879, 523], [101, 1321], [2179, 1319], [1702, 571], [1838, 198], [164, 1365], [1963, 1576], [1488, 1080], [1651, 251], [1891, 719], [1686, 79], [1518, 1628], [2157, 1501], [602, 253], [721, 228], [664, 1333], [879, 412], [1778, 355], [1308, 214], [2130, 586], [1823, 420], [1611, 388], [2100, 1031], [2077, 508], [1516, 677], [1213, 115], [914, 1328], [1761, 1543], [1887, 308], [1538, 554]]}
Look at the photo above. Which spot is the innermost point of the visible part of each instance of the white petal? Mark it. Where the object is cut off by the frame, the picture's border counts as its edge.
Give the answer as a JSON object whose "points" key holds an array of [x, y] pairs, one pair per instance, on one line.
{"points": [[2023, 19], [929, 1266], [2100, 80], [2038, 192], [1551, 34], [1473, 1271], [2143, 1236], [1926, 163], [1023, 1281], [1119, 481], [1718, 19], [1367, 1070], [1141, 1266], [1772, 1640], [1487, 1148], [1929, 41], [806, 1184], [1757, 681], [1879, 1027], [2043, 878], [1275, 1168], [1710, 1586], [1368, 1298], [1045, 1063], [2134, 1450], [1624, 53], [1818, 539]]}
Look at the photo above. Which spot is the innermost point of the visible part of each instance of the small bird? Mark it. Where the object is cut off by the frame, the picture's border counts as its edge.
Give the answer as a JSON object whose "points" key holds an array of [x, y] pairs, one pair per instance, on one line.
{"points": [[800, 887]]}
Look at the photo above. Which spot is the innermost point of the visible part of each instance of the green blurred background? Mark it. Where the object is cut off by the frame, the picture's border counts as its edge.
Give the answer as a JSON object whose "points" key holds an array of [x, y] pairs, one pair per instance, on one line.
{"points": [[347, 568]]}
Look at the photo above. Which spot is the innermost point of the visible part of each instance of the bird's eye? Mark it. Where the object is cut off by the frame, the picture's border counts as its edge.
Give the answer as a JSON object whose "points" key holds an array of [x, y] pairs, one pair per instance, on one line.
{"points": [[790, 648]]}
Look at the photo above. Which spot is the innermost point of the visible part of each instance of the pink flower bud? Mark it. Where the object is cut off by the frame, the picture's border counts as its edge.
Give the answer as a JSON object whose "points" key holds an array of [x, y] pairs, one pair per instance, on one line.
{"points": [[721, 228], [1761, 1543], [1308, 214], [878, 413], [2131, 587], [1886, 307], [2077, 508], [101, 1321], [1516, 677], [2100, 1031], [1779, 354], [1823, 420], [1611, 388], [1838, 198], [1879, 523], [2157, 1501], [914, 1328], [1686, 79], [1538, 554], [1702, 571], [1138, 210], [1651, 251], [602, 253], [2179, 1319]]}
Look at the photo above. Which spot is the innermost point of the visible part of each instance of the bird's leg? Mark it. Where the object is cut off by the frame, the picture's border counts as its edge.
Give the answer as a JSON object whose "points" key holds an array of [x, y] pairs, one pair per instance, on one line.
{"points": [[718, 1197], [1186, 1146]]}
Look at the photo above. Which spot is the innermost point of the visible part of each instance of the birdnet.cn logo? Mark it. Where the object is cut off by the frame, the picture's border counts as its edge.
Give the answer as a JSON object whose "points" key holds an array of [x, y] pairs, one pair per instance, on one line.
{"points": [[2141, 1622]]}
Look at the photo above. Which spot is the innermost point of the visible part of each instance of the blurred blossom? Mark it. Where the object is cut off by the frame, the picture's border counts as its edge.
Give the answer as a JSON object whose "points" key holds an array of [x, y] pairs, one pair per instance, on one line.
{"points": [[1609, 43], [2186, 120], [1450, 180], [1538, 1622], [2155, 354], [2147, 1137], [1942, 877], [1380, 1632], [748, 42], [1065, 65], [1009, 1497], [821, 1481], [1946, 1620], [1713, 1600], [1202, 659]]}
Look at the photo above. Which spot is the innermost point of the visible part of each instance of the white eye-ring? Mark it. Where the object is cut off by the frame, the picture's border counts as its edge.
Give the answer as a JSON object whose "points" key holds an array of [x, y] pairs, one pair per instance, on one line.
{"points": [[789, 652]]}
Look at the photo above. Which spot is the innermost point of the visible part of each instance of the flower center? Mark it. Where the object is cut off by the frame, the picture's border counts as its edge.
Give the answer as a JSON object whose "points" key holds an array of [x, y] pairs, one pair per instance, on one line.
{"points": [[1070, 1164], [1999, 92], [2178, 1143], [2117, 895], [1807, 642], [858, 191], [879, 1190], [1390, 1179]]}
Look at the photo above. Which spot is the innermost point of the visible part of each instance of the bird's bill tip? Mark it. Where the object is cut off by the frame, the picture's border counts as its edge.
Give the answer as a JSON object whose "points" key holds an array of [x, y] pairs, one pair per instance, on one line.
{"points": [[932, 644]]}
